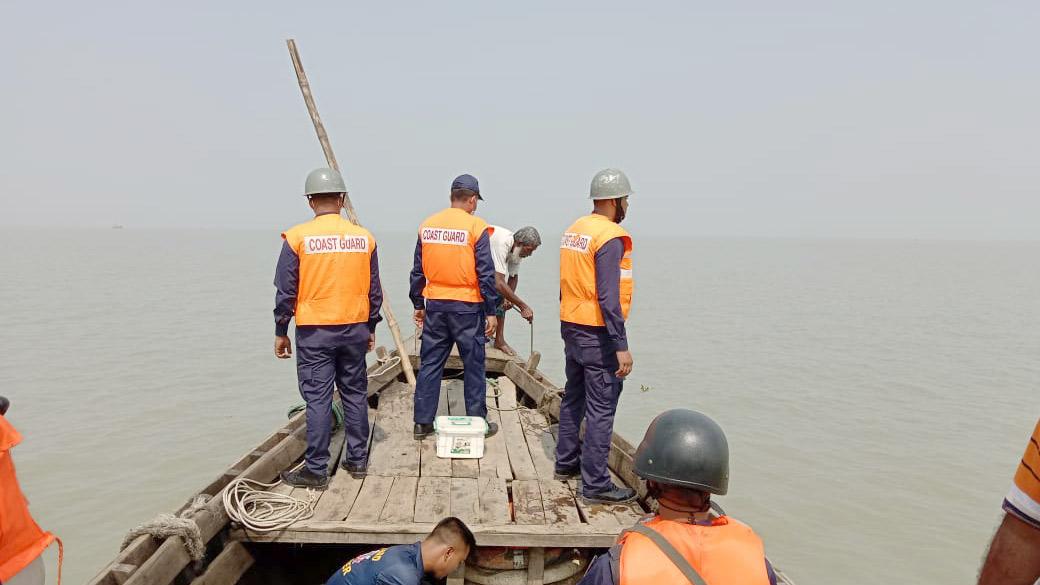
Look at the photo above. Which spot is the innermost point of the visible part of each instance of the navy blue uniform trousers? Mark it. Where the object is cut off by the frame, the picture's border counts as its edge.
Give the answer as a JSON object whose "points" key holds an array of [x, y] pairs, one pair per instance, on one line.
{"points": [[441, 330], [591, 394], [319, 369]]}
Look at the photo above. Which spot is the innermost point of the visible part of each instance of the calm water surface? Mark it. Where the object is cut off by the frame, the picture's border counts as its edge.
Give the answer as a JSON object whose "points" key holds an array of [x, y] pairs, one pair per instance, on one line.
{"points": [[876, 394]]}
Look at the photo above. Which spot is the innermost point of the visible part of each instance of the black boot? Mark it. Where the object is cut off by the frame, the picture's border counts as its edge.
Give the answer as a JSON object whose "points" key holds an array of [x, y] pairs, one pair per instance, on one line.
{"points": [[567, 474], [615, 495], [422, 431], [356, 471], [491, 430], [305, 478]]}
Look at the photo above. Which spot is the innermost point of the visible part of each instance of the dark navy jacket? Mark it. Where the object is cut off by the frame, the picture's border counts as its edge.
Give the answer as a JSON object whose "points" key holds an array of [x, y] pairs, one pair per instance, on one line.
{"points": [[397, 565]]}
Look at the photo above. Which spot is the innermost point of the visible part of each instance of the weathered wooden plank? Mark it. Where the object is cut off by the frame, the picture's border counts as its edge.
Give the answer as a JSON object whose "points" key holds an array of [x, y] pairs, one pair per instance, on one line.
{"points": [[558, 503], [120, 572], [495, 462], [227, 567], [400, 504], [507, 394], [494, 500], [336, 446], [527, 502], [429, 463], [578, 536], [465, 501], [536, 566], [338, 498], [370, 500], [539, 441], [394, 452], [606, 516], [432, 499], [516, 447]]}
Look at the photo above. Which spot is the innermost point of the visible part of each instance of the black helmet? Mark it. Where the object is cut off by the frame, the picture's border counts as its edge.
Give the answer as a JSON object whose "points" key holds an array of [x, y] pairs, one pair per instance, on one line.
{"points": [[685, 448]]}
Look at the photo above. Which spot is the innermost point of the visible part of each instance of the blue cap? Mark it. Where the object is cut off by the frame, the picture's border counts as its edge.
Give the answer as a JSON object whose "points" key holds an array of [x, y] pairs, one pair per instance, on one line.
{"points": [[468, 182]]}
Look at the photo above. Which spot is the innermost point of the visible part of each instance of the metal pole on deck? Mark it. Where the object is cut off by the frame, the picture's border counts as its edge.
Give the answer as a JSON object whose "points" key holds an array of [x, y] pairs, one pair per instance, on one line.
{"points": [[326, 146]]}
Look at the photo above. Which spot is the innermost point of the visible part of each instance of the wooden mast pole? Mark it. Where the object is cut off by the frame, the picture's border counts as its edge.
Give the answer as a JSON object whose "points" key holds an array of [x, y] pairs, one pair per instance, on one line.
{"points": [[323, 138]]}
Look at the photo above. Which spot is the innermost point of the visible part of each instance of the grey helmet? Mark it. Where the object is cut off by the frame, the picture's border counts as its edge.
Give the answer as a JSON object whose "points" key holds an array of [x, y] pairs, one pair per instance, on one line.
{"points": [[324, 180], [609, 184], [685, 448]]}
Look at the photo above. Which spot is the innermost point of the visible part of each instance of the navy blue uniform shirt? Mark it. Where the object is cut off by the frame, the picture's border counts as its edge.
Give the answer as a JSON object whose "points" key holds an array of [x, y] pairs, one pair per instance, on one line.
{"points": [[397, 565]]}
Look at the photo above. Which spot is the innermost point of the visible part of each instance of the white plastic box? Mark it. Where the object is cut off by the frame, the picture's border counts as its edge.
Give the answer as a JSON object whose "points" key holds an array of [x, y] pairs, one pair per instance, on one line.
{"points": [[460, 437]]}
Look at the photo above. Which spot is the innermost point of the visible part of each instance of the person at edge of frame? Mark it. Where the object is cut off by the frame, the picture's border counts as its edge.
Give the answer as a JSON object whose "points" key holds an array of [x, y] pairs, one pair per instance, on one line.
{"points": [[1014, 553], [452, 288], [684, 458], [328, 279], [595, 296], [433, 558]]}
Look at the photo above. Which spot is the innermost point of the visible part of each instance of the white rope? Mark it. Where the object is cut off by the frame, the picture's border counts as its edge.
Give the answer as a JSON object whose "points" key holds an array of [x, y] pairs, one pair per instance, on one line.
{"points": [[261, 510], [496, 393], [385, 365]]}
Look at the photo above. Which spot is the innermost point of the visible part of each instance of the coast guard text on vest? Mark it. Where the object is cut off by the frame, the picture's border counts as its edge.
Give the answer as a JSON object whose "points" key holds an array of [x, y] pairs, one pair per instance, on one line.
{"points": [[334, 244]]}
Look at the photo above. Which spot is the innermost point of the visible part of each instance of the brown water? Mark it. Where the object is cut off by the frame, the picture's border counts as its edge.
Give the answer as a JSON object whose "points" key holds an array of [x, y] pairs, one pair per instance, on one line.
{"points": [[876, 394]]}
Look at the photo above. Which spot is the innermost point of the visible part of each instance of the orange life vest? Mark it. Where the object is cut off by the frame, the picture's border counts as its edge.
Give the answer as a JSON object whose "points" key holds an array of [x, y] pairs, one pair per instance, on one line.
{"points": [[21, 539], [578, 301], [449, 240], [335, 270], [725, 553]]}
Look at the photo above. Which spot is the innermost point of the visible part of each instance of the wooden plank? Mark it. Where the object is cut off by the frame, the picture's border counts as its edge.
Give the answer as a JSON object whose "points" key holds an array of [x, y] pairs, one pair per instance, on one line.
{"points": [[394, 451], [495, 462], [400, 504], [338, 498], [384, 533], [429, 463], [607, 516], [465, 501], [455, 392], [527, 502], [370, 500], [120, 572], [227, 567], [336, 446], [494, 501], [516, 447], [539, 441], [558, 503], [536, 566], [507, 393], [432, 499]]}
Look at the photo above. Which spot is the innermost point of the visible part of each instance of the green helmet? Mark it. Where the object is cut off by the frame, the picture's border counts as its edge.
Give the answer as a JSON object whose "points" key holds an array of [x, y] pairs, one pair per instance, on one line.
{"points": [[609, 184], [324, 180], [684, 448]]}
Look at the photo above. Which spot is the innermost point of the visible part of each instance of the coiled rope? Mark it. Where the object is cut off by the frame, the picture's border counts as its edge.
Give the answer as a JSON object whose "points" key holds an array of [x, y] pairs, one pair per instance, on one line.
{"points": [[182, 525], [251, 504]]}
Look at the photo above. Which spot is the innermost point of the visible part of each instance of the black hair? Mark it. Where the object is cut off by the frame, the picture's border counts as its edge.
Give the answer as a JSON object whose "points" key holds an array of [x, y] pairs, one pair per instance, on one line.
{"points": [[451, 528], [321, 197], [462, 194]]}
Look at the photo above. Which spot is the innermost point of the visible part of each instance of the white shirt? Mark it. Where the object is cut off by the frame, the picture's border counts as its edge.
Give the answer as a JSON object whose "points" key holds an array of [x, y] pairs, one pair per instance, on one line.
{"points": [[507, 260]]}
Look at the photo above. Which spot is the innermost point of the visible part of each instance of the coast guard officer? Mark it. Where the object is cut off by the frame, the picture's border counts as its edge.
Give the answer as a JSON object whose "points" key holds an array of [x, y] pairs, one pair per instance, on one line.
{"points": [[595, 296], [454, 294], [328, 278]]}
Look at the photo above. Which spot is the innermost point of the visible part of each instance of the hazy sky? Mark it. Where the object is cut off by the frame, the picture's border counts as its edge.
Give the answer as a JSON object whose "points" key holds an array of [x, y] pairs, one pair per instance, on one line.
{"points": [[870, 119]]}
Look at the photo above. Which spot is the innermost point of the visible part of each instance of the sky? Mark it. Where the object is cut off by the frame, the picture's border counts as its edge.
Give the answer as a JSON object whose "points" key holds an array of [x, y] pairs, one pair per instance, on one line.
{"points": [[911, 119]]}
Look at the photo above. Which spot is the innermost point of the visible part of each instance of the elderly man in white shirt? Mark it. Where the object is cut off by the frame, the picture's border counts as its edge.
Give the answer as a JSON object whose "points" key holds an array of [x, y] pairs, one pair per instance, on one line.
{"points": [[508, 248]]}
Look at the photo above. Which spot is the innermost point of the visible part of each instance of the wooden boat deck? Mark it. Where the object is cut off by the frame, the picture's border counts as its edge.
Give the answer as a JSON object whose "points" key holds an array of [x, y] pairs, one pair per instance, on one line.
{"points": [[508, 497]]}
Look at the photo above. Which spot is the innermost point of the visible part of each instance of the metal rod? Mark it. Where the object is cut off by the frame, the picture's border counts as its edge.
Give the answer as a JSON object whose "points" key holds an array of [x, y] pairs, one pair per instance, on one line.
{"points": [[330, 157]]}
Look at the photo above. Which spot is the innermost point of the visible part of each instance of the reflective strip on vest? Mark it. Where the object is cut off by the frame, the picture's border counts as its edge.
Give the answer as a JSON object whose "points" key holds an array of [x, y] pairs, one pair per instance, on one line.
{"points": [[728, 553], [449, 240], [578, 300], [21, 539], [335, 270]]}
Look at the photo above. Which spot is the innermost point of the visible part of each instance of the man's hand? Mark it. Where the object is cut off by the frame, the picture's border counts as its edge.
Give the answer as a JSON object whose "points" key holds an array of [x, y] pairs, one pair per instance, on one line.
{"points": [[527, 313], [282, 347], [491, 326], [624, 360], [371, 341], [418, 317]]}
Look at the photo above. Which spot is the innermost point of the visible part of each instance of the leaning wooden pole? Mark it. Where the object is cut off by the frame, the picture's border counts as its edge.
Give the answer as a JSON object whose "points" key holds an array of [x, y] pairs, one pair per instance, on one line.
{"points": [[323, 138]]}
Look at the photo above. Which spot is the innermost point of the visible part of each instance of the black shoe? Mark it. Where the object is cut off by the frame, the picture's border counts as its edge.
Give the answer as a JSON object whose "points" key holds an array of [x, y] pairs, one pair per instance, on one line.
{"points": [[356, 471], [611, 496], [562, 474], [305, 478], [422, 431], [491, 430]]}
